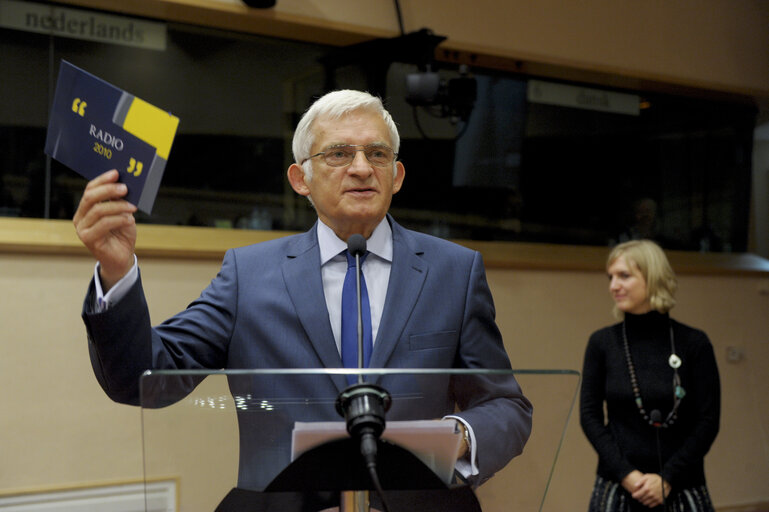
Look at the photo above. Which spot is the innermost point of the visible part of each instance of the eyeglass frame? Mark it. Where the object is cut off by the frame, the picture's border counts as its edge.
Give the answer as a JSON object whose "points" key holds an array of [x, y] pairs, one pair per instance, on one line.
{"points": [[362, 148]]}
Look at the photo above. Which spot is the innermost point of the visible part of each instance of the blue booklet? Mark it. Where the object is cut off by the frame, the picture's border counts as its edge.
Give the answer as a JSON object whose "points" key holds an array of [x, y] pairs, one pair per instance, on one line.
{"points": [[95, 126]]}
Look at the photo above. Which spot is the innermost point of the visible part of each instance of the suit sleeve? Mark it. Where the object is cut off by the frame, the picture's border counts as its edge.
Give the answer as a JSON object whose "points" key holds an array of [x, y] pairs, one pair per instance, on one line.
{"points": [[120, 343], [123, 344], [495, 407]]}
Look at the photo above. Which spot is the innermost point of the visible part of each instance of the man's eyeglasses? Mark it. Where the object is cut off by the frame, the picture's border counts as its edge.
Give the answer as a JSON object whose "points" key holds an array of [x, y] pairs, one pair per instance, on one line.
{"points": [[339, 156]]}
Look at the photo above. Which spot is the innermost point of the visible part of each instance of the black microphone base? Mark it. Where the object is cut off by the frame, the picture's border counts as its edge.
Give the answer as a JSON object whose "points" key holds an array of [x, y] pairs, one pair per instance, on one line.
{"points": [[363, 406]]}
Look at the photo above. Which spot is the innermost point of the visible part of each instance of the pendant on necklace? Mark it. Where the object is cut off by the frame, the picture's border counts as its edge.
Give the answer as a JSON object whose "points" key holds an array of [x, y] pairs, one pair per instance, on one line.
{"points": [[674, 361]]}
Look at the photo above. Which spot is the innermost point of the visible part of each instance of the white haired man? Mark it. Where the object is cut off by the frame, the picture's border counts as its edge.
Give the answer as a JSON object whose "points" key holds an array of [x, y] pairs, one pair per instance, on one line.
{"points": [[430, 305]]}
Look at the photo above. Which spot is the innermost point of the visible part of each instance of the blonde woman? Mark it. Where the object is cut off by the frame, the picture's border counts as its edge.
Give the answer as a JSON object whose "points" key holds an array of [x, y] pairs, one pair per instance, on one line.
{"points": [[650, 397]]}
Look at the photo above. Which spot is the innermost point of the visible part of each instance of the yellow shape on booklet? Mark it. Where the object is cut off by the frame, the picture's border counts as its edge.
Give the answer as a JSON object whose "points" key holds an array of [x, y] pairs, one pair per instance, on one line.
{"points": [[78, 107], [154, 126], [135, 167]]}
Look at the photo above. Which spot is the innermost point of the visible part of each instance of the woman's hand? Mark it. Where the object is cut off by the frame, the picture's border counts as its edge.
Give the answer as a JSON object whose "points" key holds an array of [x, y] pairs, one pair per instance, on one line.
{"points": [[648, 489], [630, 482]]}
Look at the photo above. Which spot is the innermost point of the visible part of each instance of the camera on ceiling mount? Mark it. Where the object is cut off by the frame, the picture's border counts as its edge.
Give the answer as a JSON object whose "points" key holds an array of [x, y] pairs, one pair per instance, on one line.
{"points": [[453, 98]]}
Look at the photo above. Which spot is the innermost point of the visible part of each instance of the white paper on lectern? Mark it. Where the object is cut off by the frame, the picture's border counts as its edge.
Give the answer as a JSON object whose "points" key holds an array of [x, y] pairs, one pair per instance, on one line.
{"points": [[435, 442]]}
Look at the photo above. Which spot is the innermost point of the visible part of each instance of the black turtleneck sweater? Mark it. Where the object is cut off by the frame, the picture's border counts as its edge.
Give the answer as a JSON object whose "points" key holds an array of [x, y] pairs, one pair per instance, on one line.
{"points": [[624, 440]]}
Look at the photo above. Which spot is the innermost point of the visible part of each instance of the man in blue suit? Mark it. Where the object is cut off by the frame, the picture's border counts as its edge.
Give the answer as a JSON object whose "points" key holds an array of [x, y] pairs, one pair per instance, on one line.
{"points": [[277, 304]]}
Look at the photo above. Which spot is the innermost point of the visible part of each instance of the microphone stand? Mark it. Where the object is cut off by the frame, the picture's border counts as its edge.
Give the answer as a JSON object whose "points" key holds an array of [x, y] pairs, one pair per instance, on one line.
{"points": [[363, 405]]}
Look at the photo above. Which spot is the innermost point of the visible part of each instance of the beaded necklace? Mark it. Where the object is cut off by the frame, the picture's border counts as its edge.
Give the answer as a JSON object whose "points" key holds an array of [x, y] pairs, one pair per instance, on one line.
{"points": [[678, 391]]}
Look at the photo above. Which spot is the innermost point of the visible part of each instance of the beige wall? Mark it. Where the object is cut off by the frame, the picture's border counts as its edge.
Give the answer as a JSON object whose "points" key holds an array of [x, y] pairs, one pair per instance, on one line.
{"points": [[59, 429]]}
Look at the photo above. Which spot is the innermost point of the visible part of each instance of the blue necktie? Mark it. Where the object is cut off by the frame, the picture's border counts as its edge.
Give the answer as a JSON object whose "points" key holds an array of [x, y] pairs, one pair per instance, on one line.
{"points": [[350, 318]]}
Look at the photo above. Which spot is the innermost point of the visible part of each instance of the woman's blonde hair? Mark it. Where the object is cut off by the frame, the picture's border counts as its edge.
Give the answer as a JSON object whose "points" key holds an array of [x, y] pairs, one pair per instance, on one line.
{"points": [[650, 260]]}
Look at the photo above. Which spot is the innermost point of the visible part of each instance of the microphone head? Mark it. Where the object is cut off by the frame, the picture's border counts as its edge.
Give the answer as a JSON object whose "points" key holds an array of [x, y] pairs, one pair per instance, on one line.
{"points": [[656, 417], [356, 245]]}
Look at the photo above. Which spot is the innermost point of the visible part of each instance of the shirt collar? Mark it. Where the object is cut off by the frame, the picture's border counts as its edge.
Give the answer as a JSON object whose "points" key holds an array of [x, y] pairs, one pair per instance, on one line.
{"points": [[379, 243]]}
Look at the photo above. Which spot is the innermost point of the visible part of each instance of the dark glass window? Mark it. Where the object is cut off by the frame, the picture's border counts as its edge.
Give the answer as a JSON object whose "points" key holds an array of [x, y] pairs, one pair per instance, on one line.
{"points": [[516, 170]]}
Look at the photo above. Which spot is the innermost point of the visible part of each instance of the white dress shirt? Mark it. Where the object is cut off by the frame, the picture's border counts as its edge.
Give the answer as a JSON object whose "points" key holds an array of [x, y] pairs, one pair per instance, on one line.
{"points": [[376, 272]]}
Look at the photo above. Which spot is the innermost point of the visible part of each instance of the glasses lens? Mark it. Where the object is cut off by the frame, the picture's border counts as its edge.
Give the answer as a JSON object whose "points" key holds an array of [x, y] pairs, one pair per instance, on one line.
{"points": [[378, 155], [339, 155]]}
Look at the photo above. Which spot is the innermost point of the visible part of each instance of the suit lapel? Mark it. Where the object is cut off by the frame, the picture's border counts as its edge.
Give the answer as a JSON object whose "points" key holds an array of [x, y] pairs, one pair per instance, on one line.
{"points": [[407, 276], [301, 273]]}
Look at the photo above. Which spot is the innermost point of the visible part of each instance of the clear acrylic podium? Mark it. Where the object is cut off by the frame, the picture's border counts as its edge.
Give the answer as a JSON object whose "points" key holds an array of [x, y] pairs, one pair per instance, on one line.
{"points": [[225, 438]]}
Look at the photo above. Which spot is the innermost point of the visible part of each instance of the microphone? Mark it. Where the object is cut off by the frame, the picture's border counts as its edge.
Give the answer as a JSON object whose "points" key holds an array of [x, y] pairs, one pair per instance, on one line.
{"points": [[363, 405], [356, 246], [655, 416]]}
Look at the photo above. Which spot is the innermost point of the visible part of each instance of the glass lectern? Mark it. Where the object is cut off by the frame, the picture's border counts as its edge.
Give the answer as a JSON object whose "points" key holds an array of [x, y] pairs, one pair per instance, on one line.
{"points": [[275, 440]]}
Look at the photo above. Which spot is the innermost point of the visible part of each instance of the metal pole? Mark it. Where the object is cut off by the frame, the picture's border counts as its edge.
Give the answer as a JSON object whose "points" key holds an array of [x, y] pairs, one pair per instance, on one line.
{"points": [[354, 501]]}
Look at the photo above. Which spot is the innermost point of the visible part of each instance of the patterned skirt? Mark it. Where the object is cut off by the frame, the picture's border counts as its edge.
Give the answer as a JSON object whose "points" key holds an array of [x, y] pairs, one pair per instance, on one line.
{"points": [[610, 496]]}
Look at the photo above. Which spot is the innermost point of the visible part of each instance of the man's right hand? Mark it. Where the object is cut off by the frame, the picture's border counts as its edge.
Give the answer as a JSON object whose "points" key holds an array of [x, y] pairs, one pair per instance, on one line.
{"points": [[105, 224]]}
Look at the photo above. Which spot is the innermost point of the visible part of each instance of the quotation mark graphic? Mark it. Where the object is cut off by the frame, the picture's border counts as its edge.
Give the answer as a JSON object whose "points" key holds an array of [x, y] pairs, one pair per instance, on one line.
{"points": [[135, 167], [78, 107]]}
